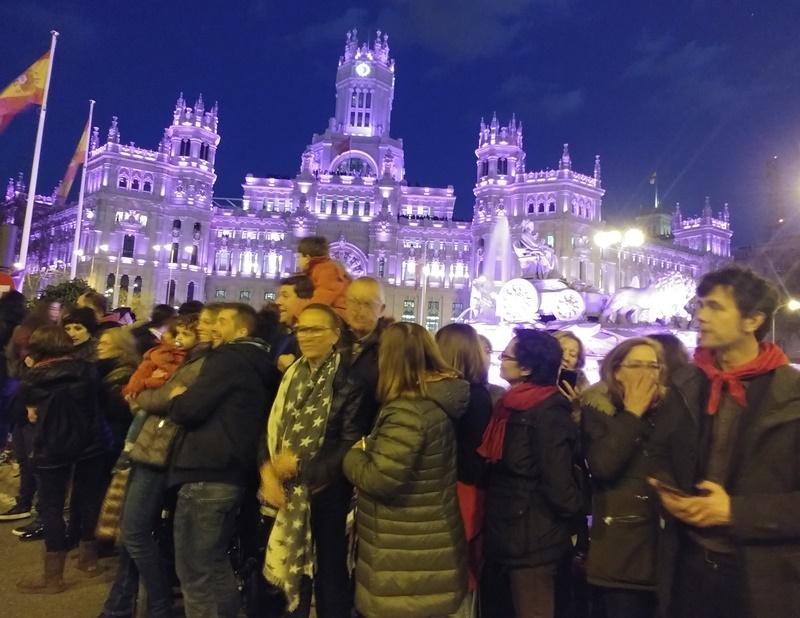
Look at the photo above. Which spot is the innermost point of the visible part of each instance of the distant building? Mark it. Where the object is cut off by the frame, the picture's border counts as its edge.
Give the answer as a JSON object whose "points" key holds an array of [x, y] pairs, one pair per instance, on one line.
{"points": [[153, 230]]}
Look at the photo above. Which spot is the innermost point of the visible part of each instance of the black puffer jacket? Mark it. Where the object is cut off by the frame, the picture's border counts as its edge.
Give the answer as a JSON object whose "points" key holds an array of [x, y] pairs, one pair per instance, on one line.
{"points": [[532, 494], [622, 553], [412, 554], [64, 389], [223, 415]]}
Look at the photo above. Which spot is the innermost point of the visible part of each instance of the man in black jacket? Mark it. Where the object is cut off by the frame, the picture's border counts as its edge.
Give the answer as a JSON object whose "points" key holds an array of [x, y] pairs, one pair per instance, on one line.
{"points": [[365, 305], [727, 439], [223, 415]]}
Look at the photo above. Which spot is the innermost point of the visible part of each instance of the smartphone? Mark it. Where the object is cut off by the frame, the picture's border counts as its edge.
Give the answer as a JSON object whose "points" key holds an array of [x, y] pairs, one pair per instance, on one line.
{"points": [[569, 376], [669, 489]]}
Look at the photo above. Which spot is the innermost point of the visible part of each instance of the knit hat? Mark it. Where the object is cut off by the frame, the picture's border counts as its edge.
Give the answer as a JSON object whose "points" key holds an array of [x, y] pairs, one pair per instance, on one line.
{"points": [[83, 316]]}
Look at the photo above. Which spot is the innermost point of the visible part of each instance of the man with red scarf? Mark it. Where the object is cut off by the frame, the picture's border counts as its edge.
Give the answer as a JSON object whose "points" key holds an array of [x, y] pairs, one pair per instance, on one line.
{"points": [[728, 440]]}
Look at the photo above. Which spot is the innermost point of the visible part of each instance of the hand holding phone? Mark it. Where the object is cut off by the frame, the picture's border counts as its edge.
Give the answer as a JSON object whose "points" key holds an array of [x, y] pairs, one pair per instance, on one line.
{"points": [[661, 486]]}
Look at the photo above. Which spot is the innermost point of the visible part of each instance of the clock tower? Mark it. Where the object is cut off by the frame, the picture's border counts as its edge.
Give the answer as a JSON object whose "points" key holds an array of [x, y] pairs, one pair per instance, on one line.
{"points": [[364, 87]]}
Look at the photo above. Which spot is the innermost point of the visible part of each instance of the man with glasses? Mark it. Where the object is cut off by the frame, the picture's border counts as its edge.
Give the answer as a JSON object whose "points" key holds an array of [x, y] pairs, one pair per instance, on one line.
{"points": [[312, 425], [728, 436], [364, 307]]}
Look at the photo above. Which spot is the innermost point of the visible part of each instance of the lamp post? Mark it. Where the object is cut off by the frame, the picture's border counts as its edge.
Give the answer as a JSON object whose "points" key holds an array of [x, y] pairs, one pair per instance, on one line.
{"points": [[632, 237], [792, 305]]}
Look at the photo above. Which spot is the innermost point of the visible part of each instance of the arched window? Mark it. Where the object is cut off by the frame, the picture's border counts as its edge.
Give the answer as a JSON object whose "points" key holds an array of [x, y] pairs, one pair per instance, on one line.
{"points": [[484, 168], [170, 292], [204, 151], [135, 184], [190, 291], [173, 253], [123, 182], [137, 288], [193, 256], [128, 245], [186, 148], [366, 209], [110, 281], [502, 166], [541, 207], [345, 206], [176, 224], [551, 207], [147, 186], [124, 284], [530, 208]]}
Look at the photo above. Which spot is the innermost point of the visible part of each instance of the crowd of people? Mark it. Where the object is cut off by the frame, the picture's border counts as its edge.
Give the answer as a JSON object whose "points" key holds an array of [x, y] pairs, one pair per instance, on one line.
{"points": [[368, 468]]}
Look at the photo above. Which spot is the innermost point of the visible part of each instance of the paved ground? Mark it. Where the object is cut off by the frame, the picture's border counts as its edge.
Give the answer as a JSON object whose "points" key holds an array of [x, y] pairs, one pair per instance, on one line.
{"points": [[83, 599]]}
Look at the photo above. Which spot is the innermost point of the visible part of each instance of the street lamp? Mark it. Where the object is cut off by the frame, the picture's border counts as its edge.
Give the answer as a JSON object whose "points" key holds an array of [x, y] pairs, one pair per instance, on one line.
{"points": [[632, 237], [792, 305]]}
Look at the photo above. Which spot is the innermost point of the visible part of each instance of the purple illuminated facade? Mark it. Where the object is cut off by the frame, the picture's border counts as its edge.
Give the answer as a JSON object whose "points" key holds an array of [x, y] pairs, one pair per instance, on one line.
{"points": [[155, 232]]}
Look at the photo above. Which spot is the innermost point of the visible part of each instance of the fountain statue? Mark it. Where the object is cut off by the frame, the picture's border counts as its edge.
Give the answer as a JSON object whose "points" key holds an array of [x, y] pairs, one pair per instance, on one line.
{"points": [[537, 259], [662, 301]]}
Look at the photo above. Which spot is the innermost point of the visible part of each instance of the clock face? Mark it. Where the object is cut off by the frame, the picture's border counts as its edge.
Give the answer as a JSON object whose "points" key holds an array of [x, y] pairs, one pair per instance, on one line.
{"points": [[363, 69]]}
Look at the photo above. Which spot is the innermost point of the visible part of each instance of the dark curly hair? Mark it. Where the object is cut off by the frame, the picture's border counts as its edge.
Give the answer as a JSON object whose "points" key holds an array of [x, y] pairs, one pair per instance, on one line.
{"points": [[540, 353]]}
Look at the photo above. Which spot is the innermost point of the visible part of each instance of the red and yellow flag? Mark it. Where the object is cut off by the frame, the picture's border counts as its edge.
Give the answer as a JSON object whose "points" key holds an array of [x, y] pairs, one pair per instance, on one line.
{"points": [[27, 89], [74, 164]]}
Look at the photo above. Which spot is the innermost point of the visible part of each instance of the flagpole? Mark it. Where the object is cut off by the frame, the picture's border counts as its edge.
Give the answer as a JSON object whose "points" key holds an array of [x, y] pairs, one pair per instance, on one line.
{"points": [[76, 243], [656, 198], [37, 150]]}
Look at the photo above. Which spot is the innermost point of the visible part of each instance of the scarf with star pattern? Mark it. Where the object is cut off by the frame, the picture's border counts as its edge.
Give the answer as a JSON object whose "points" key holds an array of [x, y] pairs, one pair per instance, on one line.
{"points": [[297, 423]]}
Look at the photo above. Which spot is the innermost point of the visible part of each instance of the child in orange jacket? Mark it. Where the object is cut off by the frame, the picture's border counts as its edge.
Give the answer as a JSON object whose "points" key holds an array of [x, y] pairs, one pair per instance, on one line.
{"points": [[329, 277]]}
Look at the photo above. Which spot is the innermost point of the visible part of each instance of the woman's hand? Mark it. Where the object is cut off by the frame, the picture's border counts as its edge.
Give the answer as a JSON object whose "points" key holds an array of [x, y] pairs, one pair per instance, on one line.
{"points": [[33, 414], [572, 393], [640, 394], [271, 490], [159, 374], [285, 465]]}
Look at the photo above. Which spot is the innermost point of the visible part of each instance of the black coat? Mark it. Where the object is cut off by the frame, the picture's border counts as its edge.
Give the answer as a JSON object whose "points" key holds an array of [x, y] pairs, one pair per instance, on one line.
{"points": [[469, 434], [763, 482], [532, 494], [64, 388], [624, 531], [223, 415]]}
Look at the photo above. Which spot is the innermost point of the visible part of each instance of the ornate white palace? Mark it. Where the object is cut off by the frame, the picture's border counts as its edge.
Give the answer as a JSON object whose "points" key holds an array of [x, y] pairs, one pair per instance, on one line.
{"points": [[153, 231]]}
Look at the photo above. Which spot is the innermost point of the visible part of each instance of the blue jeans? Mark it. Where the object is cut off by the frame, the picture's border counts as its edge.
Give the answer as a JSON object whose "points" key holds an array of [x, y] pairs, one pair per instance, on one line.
{"points": [[205, 521], [140, 555]]}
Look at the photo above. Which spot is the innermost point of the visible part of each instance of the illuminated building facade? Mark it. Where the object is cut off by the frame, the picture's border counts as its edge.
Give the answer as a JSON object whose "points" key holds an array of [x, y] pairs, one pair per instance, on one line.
{"points": [[154, 232]]}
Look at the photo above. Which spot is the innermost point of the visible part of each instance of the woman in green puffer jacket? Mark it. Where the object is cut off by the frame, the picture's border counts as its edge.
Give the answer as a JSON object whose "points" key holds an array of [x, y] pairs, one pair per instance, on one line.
{"points": [[412, 558]]}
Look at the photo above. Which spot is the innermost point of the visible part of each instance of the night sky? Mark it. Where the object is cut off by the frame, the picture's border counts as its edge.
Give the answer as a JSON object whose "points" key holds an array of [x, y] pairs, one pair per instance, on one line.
{"points": [[704, 92]]}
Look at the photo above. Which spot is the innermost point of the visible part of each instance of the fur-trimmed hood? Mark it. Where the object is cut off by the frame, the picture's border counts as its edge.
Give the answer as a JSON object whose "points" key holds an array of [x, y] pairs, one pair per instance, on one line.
{"points": [[598, 397]]}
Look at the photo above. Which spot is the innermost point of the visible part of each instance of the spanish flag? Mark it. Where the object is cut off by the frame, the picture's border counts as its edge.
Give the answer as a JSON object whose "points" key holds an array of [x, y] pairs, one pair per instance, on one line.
{"points": [[27, 89], [74, 164]]}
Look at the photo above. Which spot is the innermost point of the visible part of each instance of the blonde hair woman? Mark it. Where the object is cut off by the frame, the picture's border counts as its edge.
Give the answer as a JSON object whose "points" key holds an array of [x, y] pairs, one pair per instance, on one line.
{"points": [[617, 419], [408, 517]]}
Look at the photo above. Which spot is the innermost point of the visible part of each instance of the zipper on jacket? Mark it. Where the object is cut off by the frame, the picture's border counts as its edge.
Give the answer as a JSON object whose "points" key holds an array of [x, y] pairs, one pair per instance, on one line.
{"points": [[623, 519]]}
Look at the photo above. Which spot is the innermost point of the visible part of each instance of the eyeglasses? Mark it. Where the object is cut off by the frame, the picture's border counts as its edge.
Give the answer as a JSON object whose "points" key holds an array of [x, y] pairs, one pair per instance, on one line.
{"points": [[311, 331], [507, 357], [639, 366], [361, 304]]}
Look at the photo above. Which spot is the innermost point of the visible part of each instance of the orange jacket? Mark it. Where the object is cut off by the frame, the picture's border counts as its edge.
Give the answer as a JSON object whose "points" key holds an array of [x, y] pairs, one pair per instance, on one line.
{"points": [[163, 356], [330, 283]]}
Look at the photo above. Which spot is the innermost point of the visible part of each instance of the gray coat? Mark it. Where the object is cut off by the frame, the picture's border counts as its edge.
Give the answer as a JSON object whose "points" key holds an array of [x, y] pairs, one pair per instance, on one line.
{"points": [[411, 547]]}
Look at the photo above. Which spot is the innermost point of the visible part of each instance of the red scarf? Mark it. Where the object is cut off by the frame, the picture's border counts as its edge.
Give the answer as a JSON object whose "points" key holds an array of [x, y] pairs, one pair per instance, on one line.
{"points": [[769, 357], [520, 397]]}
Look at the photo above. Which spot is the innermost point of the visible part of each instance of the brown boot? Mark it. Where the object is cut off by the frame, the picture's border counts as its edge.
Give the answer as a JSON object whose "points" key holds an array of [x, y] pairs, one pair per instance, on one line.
{"points": [[87, 558], [52, 582]]}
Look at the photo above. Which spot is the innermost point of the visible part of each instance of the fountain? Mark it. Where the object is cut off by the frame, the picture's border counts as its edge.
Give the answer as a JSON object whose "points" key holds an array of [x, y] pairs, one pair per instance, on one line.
{"points": [[501, 301]]}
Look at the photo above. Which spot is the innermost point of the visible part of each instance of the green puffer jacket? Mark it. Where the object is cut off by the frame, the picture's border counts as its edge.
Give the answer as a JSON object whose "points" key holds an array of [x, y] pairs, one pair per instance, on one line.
{"points": [[411, 549]]}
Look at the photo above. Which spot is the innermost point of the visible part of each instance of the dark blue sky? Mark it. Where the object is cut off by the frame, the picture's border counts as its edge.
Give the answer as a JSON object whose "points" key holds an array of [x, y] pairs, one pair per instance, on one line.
{"points": [[702, 91]]}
